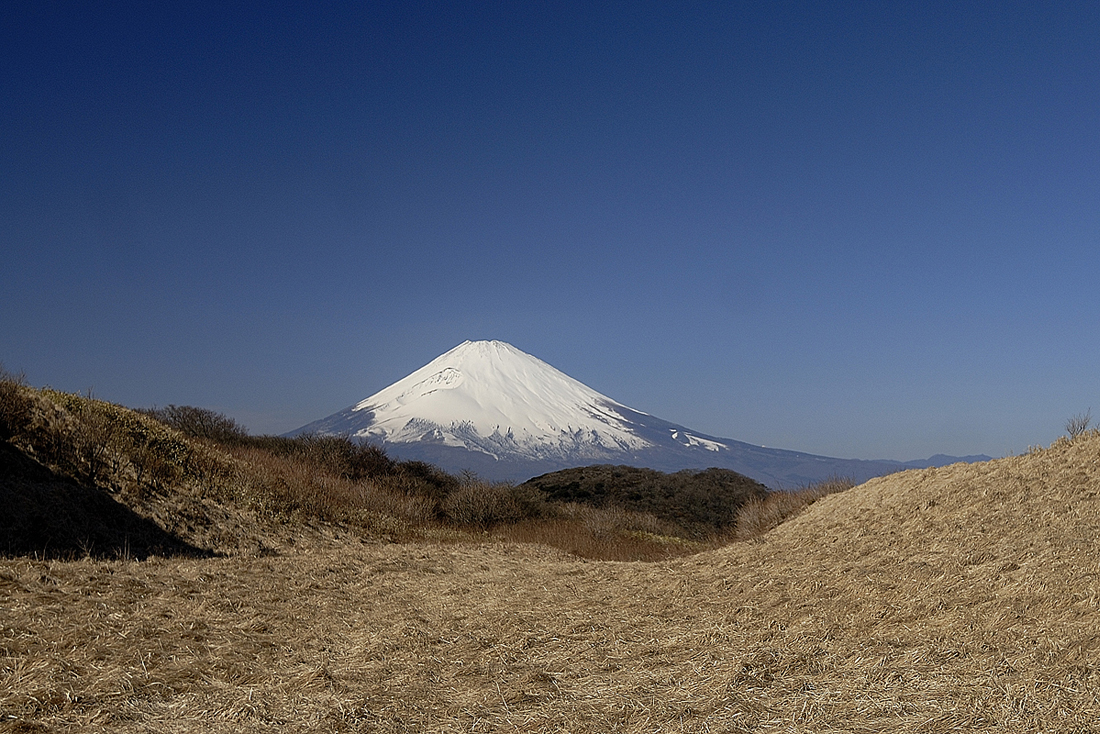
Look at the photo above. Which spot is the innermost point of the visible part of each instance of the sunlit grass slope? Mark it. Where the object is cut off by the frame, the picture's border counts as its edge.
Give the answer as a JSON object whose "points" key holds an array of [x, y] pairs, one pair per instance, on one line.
{"points": [[965, 598]]}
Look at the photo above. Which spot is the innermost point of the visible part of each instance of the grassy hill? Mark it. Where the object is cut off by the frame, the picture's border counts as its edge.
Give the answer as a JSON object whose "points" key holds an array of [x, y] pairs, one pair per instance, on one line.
{"points": [[965, 598]]}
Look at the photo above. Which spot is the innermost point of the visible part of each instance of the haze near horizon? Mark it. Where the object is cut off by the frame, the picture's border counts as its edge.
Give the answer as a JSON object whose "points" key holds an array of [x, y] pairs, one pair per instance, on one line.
{"points": [[853, 230]]}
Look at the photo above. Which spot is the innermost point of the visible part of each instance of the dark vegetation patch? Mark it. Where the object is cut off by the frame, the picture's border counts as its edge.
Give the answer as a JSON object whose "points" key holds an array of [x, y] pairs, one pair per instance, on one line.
{"points": [[702, 502], [80, 476]]}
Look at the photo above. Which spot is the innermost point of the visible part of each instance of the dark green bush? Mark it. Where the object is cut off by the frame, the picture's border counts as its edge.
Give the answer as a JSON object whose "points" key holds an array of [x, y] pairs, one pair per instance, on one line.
{"points": [[701, 502]]}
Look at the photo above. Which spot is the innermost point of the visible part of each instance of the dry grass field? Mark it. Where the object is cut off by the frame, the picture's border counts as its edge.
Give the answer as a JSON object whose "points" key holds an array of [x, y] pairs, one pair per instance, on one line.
{"points": [[965, 598]]}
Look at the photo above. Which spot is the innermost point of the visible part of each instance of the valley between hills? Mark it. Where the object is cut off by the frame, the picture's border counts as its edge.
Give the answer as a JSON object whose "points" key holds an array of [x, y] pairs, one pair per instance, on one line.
{"points": [[197, 592]]}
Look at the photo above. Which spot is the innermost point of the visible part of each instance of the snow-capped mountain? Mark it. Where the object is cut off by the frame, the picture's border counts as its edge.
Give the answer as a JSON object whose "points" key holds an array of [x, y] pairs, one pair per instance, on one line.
{"points": [[491, 408]]}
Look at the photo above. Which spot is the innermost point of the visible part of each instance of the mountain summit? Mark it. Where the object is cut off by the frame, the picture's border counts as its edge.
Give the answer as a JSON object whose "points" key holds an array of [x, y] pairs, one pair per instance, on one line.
{"points": [[491, 408], [490, 397]]}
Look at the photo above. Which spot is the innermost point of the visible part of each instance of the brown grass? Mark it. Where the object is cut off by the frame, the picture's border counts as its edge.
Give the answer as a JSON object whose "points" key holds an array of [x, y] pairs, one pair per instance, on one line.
{"points": [[965, 598], [609, 534], [958, 599], [758, 516]]}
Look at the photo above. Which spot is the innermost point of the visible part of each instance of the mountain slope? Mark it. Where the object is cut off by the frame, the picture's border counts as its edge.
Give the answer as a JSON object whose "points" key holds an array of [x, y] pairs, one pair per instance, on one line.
{"points": [[491, 408], [493, 398]]}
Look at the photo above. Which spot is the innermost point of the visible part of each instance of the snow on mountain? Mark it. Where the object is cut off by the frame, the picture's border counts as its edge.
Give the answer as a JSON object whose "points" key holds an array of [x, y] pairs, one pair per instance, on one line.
{"points": [[505, 414], [493, 390], [490, 397]]}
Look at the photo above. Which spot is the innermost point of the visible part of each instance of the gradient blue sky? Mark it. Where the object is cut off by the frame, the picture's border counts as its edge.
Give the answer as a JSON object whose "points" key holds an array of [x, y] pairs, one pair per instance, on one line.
{"points": [[860, 229]]}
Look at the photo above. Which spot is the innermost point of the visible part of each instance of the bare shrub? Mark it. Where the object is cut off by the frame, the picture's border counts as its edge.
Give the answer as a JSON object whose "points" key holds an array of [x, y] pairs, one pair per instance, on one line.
{"points": [[198, 422], [95, 445], [150, 465], [1079, 423], [483, 505]]}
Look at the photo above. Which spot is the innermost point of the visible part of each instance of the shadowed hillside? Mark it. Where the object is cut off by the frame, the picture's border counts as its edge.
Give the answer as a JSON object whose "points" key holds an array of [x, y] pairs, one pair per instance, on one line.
{"points": [[50, 515]]}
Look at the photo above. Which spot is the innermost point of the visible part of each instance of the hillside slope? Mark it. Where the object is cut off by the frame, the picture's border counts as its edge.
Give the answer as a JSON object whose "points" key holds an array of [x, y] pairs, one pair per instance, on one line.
{"points": [[1039, 509], [965, 598], [80, 476]]}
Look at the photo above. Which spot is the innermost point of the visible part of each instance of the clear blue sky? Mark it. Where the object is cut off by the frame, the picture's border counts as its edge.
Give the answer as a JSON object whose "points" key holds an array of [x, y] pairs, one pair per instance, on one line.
{"points": [[860, 229]]}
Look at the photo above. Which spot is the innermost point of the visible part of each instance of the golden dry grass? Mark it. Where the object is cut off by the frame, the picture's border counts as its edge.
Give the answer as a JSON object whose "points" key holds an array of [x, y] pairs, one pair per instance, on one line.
{"points": [[958, 599]]}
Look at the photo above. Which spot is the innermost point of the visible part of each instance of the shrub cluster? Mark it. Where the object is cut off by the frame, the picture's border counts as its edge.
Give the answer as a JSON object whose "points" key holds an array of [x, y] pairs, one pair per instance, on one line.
{"points": [[198, 422], [700, 502]]}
